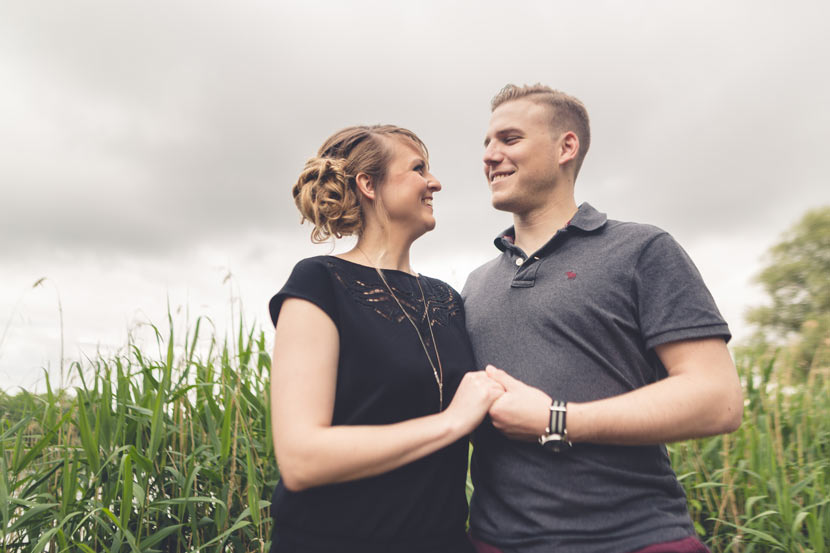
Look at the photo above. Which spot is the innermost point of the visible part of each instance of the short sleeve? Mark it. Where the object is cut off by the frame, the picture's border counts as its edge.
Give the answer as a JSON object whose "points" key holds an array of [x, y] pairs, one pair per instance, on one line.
{"points": [[673, 301], [310, 280]]}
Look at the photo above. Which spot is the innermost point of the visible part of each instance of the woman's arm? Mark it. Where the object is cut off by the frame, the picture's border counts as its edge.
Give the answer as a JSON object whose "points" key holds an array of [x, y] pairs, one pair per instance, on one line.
{"points": [[310, 451]]}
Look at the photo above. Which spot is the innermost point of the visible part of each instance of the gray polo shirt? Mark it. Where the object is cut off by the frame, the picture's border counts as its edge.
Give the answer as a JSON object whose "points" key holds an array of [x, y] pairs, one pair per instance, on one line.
{"points": [[580, 319]]}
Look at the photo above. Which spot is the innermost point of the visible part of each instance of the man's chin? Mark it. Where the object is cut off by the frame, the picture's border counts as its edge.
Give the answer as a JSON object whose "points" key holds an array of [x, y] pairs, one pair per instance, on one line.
{"points": [[502, 204]]}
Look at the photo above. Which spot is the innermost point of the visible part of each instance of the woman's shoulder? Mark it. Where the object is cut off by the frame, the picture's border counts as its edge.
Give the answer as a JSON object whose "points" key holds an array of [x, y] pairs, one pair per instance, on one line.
{"points": [[444, 300], [309, 280], [330, 263], [439, 285], [318, 267], [316, 262], [333, 272]]}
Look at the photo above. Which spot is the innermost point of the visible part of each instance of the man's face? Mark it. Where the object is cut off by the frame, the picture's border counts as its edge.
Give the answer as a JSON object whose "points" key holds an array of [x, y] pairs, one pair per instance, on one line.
{"points": [[520, 155]]}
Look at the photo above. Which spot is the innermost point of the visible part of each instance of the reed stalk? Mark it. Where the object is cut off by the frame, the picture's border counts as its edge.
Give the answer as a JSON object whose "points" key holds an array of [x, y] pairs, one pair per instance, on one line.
{"points": [[171, 451]]}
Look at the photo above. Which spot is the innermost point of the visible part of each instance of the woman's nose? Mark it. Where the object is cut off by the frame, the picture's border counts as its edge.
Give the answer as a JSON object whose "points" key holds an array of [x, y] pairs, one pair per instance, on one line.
{"points": [[433, 183]]}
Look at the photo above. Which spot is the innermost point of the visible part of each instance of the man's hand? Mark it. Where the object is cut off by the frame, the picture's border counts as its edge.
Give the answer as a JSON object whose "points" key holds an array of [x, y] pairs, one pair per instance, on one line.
{"points": [[522, 412]]}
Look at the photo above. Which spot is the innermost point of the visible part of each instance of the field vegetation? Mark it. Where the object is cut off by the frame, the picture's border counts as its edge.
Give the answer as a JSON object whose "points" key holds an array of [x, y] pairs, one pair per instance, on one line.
{"points": [[165, 451], [167, 448], [170, 451]]}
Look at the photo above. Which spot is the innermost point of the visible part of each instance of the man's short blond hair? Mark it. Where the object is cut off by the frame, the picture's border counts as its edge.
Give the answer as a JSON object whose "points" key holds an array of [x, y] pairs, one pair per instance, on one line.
{"points": [[568, 113]]}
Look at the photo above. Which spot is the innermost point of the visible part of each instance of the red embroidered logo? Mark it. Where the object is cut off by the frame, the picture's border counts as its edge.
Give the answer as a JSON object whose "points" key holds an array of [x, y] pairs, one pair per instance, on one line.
{"points": [[571, 275]]}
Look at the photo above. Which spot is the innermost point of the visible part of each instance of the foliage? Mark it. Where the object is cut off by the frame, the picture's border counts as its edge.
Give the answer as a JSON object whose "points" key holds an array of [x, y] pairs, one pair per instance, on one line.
{"points": [[172, 452], [15, 407], [165, 454], [796, 280], [766, 487]]}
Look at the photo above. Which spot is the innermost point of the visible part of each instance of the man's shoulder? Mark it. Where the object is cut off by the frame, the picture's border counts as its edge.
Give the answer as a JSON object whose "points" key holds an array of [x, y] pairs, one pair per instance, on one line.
{"points": [[487, 266], [630, 230], [479, 275], [627, 238]]}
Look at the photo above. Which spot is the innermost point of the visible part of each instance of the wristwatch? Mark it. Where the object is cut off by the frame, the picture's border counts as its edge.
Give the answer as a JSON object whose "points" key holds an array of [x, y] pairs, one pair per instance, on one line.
{"points": [[555, 438]]}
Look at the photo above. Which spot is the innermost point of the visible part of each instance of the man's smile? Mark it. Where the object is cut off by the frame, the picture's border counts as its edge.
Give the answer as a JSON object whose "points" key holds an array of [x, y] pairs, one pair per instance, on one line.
{"points": [[496, 176]]}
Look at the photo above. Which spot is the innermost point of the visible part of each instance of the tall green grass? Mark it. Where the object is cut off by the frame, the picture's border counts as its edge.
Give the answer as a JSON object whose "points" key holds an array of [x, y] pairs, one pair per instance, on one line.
{"points": [[166, 452], [766, 487], [169, 450]]}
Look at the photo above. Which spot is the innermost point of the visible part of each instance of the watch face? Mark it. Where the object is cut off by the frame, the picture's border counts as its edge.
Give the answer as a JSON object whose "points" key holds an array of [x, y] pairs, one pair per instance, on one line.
{"points": [[555, 443]]}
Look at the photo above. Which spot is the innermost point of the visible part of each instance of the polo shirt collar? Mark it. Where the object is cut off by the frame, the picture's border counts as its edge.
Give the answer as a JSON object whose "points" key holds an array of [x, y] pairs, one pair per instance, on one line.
{"points": [[586, 219]]}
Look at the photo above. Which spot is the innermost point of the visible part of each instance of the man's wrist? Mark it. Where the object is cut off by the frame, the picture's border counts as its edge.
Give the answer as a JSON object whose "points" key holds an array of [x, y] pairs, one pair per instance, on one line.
{"points": [[555, 437]]}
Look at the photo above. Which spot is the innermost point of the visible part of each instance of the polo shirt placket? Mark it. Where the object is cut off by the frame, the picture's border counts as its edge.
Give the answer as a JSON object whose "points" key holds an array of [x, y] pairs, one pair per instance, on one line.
{"points": [[528, 265]]}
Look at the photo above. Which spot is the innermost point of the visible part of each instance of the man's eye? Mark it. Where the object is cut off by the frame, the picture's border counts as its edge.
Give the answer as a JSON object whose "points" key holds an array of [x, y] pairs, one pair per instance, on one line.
{"points": [[511, 139]]}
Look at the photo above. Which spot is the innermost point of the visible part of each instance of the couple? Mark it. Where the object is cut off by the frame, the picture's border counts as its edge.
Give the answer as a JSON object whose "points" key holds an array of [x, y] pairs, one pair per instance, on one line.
{"points": [[600, 341]]}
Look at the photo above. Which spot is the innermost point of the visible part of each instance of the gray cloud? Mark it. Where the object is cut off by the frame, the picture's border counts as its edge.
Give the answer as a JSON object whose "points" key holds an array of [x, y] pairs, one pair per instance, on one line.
{"points": [[150, 126], [149, 130]]}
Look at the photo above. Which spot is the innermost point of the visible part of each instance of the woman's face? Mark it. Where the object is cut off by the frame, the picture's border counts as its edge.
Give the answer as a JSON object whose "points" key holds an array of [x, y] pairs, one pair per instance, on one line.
{"points": [[407, 193]]}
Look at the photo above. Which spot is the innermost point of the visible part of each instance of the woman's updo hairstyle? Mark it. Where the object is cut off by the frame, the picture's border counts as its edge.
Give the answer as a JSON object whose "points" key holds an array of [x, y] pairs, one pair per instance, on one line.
{"points": [[326, 191]]}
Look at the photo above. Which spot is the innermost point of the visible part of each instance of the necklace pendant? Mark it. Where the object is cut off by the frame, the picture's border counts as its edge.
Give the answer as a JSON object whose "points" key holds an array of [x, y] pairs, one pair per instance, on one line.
{"points": [[440, 396]]}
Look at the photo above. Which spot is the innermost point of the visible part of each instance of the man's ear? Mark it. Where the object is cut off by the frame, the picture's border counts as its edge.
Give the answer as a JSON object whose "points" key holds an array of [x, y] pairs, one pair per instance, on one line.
{"points": [[366, 186], [568, 147]]}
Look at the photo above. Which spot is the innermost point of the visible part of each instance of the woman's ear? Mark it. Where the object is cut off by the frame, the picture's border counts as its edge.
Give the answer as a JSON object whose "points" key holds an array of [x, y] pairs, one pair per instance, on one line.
{"points": [[365, 185]]}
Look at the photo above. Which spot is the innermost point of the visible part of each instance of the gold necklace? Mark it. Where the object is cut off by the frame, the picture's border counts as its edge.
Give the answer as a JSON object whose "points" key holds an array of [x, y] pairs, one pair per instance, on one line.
{"points": [[439, 372]]}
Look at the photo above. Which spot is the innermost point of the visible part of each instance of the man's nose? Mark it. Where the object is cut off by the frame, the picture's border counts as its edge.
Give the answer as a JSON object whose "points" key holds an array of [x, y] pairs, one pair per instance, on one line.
{"points": [[491, 154]]}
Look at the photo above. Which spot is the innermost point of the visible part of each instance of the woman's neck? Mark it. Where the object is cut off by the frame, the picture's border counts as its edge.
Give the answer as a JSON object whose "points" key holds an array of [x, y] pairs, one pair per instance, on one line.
{"points": [[382, 252]]}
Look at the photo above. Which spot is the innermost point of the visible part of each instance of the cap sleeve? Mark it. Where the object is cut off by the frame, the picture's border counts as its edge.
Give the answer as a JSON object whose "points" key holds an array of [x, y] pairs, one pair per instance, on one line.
{"points": [[310, 280], [673, 301]]}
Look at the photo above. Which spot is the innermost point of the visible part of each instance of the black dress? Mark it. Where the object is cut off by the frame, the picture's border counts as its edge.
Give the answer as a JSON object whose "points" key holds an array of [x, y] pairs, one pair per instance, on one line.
{"points": [[383, 377]]}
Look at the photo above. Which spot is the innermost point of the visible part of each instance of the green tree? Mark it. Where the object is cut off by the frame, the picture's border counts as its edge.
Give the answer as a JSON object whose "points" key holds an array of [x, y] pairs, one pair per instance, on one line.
{"points": [[797, 279]]}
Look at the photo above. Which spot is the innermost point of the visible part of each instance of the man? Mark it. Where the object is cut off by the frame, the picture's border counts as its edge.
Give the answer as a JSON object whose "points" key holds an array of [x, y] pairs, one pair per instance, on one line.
{"points": [[607, 343]]}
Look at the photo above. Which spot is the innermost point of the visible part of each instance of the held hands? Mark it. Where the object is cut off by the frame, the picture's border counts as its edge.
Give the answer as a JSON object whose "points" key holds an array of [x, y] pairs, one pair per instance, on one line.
{"points": [[474, 396], [521, 412]]}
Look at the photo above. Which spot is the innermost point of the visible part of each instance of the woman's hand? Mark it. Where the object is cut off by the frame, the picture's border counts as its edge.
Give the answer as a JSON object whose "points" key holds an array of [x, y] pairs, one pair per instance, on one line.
{"points": [[472, 400], [522, 413]]}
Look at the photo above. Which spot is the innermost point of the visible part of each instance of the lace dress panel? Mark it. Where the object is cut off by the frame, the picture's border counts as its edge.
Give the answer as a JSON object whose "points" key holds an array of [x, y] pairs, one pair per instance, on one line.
{"points": [[442, 304]]}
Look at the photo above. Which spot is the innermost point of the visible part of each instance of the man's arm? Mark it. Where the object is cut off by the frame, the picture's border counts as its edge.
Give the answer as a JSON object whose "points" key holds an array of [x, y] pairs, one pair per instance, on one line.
{"points": [[700, 397]]}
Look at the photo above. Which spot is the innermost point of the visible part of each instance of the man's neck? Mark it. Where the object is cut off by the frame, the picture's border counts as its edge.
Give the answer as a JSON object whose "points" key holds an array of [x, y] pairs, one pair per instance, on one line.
{"points": [[536, 227]]}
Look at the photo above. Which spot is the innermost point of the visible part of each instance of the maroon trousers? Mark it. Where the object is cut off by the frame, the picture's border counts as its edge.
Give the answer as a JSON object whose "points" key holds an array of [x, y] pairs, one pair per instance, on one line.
{"points": [[686, 545]]}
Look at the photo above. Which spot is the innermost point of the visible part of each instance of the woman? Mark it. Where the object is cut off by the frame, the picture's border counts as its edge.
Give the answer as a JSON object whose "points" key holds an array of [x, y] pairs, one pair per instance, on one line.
{"points": [[372, 398]]}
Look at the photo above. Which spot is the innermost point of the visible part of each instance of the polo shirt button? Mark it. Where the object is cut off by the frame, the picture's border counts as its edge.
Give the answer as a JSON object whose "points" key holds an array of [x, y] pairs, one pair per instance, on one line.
{"points": [[519, 261]]}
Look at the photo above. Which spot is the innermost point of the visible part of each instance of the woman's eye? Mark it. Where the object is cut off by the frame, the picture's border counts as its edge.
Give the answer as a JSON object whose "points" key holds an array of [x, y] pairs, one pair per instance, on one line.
{"points": [[420, 168]]}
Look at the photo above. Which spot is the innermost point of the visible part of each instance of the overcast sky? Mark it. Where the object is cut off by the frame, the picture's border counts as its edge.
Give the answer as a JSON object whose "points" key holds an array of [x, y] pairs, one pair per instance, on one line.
{"points": [[147, 149]]}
